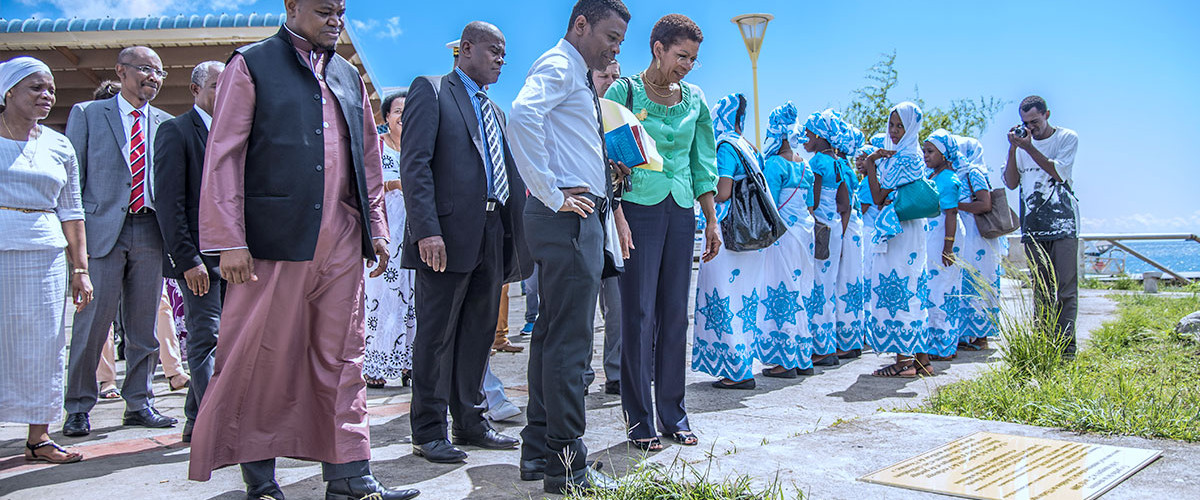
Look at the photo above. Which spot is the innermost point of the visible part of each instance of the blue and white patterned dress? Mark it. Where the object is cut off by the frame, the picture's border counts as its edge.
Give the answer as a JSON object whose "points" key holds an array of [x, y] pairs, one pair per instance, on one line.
{"points": [[944, 281], [391, 319], [899, 292], [788, 269], [822, 303], [981, 267], [851, 288]]}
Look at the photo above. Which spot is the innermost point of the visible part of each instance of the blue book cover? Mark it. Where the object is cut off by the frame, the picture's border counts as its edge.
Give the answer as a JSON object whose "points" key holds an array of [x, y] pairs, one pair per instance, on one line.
{"points": [[623, 146]]}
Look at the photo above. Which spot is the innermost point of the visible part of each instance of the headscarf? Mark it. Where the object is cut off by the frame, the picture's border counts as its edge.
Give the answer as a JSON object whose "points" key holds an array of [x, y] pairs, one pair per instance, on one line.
{"points": [[945, 142], [728, 115], [16, 69], [878, 140], [971, 152], [778, 126], [907, 165], [824, 124]]}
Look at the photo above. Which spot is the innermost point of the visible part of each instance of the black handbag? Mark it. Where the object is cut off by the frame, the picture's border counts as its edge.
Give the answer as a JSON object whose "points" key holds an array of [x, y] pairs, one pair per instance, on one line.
{"points": [[753, 222], [821, 234]]}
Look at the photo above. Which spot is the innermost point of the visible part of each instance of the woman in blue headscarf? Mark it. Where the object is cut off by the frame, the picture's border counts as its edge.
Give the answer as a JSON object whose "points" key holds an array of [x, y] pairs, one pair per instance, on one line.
{"points": [[786, 346], [729, 308], [831, 207], [851, 298], [897, 309], [980, 256], [944, 235]]}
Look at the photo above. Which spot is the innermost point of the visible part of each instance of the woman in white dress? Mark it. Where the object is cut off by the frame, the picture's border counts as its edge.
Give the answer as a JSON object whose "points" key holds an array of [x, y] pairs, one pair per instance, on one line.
{"points": [[40, 215], [391, 314], [897, 311], [851, 291], [945, 234], [980, 256]]}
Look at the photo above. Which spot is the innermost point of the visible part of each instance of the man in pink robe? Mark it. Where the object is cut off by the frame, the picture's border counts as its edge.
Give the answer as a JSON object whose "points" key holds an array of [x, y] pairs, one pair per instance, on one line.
{"points": [[292, 201]]}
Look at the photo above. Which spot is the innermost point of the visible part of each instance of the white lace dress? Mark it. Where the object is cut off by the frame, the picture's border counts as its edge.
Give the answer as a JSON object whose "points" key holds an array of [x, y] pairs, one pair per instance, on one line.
{"points": [[391, 313]]}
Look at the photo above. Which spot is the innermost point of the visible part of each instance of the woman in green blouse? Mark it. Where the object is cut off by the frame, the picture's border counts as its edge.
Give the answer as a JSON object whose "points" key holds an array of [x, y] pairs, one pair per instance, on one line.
{"points": [[657, 225]]}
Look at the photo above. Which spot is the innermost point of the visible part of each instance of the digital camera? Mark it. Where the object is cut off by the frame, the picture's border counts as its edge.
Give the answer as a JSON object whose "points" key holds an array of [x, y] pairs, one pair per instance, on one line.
{"points": [[1019, 131]]}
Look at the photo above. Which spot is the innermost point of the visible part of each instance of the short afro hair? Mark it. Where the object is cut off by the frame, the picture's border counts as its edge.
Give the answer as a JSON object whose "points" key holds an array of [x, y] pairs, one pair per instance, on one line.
{"points": [[386, 105], [597, 10], [1032, 102], [675, 28]]}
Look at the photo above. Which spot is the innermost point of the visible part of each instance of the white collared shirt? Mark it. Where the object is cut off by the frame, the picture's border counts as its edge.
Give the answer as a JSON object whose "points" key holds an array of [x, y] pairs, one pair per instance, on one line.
{"points": [[204, 117], [553, 130], [125, 108]]}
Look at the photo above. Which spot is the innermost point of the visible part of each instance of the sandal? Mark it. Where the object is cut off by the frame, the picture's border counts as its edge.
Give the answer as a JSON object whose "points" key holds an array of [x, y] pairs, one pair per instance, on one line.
{"points": [[110, 393], [968, 346], [32, 455], [894, 371], [375, 383], [686, 438], [175, 387], [942, 358], [926, 370], [652, 444]]}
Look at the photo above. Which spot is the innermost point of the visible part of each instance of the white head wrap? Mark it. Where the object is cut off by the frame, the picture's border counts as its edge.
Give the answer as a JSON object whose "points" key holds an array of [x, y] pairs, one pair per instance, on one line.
{"points": [[910, 117], [16, 69]]}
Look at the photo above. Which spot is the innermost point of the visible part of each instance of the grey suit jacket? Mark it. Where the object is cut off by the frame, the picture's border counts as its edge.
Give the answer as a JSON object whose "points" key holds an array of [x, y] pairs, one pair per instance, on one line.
{"points": [[94, 129]]}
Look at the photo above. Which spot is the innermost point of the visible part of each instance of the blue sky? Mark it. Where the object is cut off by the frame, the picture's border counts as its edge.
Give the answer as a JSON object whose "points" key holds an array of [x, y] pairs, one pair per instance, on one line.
{"points": [[1123, 75]]}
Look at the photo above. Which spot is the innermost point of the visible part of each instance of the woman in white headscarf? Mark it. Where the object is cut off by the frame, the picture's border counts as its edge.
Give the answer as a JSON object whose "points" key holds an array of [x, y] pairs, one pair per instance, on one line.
{"points": [[40, 215], [980, 256], [897, 308], [942, 245], [786, 346]]}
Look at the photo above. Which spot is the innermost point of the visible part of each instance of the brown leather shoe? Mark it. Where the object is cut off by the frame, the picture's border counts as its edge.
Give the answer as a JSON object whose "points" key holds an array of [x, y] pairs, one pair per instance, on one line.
{"points": [[506, 346]]}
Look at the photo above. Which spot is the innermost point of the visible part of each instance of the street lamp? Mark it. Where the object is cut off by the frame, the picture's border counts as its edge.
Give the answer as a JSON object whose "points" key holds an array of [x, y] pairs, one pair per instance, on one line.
{"points": [[753, 28]]}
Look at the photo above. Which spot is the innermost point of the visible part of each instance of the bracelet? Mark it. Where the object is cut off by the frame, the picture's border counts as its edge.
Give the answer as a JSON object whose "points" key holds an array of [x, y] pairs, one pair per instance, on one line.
{"points": [[949, 238], [79, 270]]}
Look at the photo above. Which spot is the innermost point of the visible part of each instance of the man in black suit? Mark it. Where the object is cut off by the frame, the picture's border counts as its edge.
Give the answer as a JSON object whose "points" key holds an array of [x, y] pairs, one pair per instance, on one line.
{"points": [[464, 238], [179, 161]]}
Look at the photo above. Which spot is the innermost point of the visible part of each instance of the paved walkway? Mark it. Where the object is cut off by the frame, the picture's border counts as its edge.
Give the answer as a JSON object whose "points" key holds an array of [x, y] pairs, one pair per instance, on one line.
{"points": [[819, 433]]}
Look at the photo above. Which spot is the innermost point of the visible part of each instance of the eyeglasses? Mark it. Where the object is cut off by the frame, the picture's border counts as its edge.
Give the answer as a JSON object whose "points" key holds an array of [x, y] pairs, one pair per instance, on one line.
{"points": [[687, 61], [146, 69]]}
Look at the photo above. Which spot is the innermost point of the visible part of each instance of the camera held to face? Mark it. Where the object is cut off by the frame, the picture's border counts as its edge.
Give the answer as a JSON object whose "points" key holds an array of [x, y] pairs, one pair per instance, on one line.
{"points": [[1019, 131]]}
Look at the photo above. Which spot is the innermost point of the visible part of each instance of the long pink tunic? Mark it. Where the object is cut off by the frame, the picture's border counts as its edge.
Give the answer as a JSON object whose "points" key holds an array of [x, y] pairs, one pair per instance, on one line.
{"points": [[288, 376]]}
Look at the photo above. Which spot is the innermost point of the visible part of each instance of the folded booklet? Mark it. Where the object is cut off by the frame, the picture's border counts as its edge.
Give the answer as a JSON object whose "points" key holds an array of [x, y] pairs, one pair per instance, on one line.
{"points": [[625, 146]]}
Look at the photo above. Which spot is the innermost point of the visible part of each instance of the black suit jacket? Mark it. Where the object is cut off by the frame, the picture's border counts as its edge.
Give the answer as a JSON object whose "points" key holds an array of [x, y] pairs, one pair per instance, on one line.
{"points": [[178, 167], [445, 187]]}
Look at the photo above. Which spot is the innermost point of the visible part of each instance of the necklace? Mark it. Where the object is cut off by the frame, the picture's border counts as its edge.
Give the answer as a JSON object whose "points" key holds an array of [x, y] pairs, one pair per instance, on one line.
{"points": [[30, 141], [671, 88]]}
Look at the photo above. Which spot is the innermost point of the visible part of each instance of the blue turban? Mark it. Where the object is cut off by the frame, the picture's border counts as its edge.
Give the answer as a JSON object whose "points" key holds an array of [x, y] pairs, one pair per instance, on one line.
{"points": [[728, 114], [878, 140], [945, 142], [778, 126], [824, 124]]}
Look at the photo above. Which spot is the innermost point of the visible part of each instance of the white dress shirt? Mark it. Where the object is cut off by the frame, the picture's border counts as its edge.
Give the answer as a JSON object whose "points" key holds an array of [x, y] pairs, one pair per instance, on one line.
{"points": [[204, 117], [553, 130], [125, 108]]}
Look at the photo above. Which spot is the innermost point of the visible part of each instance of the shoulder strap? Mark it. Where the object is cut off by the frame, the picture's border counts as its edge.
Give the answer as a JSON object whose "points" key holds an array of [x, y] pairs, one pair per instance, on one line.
{"points": [[628, 92]]}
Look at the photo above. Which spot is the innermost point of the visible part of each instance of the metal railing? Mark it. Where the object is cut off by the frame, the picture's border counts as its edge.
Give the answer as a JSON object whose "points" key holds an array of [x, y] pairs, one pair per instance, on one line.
{"points": [[1117, 239]]}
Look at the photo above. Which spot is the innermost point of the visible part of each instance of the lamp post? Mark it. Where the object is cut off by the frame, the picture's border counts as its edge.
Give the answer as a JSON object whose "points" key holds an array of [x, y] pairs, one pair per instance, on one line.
{"points": [[753, 28]]}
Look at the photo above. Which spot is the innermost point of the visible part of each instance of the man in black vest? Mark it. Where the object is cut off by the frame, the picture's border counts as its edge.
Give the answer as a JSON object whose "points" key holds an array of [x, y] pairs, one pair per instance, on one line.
{"points": [[292, 201], [464, 237], [179, 165]]}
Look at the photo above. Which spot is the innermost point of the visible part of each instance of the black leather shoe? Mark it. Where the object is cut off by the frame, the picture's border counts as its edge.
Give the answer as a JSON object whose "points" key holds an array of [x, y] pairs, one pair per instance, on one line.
{"points": [[805, 372], [187, 431], [773, 372], [613, 387], [440, 452], [851, 354], [746, 385], [829, 360], [490, 440], [364, 487], [535, 470], [589, 479], [149, 417], [76, 425], [266, 491]]}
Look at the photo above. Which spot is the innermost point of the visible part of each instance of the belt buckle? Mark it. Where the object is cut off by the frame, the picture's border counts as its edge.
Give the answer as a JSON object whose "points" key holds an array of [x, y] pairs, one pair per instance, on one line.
{"points": [[490, 206]]}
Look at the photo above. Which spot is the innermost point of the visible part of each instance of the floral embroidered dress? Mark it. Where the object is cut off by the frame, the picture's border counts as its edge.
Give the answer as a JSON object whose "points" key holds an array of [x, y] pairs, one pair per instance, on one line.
{"points": [[851, 288], [980, 256], [783, 337], [900, 292], [391, 313]]}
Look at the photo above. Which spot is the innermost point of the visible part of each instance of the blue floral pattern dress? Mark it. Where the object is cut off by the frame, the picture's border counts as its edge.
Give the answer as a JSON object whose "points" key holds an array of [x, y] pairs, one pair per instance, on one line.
{"points": [[822, 303], [782, 337], [944, 300], [851, 288], [981, 266]]}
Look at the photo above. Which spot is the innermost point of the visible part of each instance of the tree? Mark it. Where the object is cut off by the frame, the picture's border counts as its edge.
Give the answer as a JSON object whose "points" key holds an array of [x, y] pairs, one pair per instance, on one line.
{"points": [[869, 109]]}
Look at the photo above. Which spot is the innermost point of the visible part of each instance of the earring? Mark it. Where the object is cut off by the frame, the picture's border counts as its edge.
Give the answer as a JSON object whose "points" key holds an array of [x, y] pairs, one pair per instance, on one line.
{"points": [[658, 64]]}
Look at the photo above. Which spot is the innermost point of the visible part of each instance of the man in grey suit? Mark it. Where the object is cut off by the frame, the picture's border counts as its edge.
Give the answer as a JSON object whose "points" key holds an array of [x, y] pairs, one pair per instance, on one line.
{"points": [[113, 141]]}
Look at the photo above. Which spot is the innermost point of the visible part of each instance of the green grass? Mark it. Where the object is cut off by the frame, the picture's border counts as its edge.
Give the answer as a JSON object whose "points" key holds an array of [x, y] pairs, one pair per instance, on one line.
{"points": [[1137, 377], [683, 481], [1128, 283]]}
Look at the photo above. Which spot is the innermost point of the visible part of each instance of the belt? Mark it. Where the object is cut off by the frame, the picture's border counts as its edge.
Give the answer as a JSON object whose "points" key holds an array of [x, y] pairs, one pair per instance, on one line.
{"points": [[491, 206], [142, 211], [27, 210]]}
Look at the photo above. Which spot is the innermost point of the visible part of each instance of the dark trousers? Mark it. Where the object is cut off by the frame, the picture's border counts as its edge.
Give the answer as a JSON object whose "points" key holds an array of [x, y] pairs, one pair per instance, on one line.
{"points": [[456, 325], [610, 310], [130, 274], [654, 322], [569, 254], [203, 318], [1055, 268], [263, 471]]}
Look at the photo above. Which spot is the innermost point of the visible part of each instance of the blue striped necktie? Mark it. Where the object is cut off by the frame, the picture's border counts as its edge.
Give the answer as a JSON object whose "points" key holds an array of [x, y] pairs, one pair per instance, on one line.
{"points": [[491, 132]]}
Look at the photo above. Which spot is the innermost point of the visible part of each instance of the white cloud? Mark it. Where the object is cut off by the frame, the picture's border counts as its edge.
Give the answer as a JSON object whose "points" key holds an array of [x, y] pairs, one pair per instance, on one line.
{"points": [[88, 9], [1142, 223], [390, 28]]}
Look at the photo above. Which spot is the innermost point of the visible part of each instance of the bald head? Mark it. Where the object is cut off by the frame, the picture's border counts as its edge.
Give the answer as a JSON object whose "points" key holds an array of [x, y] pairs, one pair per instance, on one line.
{"points": [[481, 32], [141, 73], [481, 52]]}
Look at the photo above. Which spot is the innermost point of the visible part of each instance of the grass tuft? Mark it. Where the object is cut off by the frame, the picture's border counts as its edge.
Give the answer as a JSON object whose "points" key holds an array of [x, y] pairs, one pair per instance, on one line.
{"points": [[683, 481]]}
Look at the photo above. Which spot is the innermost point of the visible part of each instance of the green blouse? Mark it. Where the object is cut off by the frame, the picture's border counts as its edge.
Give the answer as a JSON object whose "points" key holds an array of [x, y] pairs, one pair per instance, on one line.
{"points": [[685, 139]]}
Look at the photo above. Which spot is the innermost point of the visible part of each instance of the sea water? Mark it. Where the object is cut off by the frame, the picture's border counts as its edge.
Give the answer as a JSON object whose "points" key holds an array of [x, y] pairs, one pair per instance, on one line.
{"points": [[1178, 256]]}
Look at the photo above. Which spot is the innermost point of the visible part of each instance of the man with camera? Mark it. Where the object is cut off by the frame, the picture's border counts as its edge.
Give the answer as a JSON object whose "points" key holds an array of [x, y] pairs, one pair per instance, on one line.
{"points": [[1041, 159]]}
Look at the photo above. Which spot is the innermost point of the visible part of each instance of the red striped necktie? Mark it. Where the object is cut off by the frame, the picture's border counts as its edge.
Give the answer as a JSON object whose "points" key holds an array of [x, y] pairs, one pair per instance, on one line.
{"points": [[137, 163]]}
